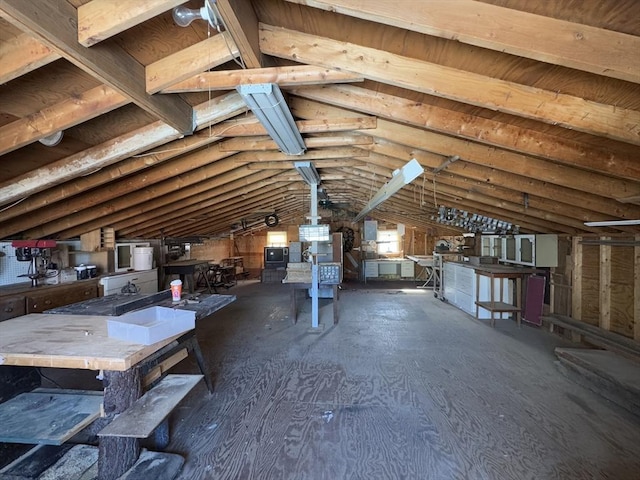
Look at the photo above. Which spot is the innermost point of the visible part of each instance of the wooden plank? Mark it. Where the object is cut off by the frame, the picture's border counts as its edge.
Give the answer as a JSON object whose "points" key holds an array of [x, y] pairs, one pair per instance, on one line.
{"points": [[621, 290], [479, 129], [590, 284], [48, 417], [53, 23], [35, 461], [65, 114], [568, 44], [68, 341], [142, 418], [596, 335], [294, 75], [102, 19], [202, 56], [636, 291], [87, 161], [454, 84], [605, 286], [576, 279], [241, 21], [156, 372], [21, 55]]}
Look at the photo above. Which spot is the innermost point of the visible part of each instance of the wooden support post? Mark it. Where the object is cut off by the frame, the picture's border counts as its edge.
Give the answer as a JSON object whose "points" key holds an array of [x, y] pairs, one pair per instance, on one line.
{"points": [[636, 291], [605, 285], [122, 389], [576, 293]]}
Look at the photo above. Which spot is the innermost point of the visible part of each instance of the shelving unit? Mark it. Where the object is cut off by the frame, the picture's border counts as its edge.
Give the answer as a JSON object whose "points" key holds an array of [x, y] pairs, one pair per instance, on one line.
{"points": [[501, 300]]}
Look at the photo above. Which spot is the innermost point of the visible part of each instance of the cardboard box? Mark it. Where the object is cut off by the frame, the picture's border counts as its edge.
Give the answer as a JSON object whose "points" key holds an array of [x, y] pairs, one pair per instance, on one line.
{"points": [[151, 325]]}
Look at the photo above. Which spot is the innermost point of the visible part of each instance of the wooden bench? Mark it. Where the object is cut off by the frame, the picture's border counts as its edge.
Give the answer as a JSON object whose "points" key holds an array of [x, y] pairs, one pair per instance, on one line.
{"points": [[150, 410], [595, 335]]}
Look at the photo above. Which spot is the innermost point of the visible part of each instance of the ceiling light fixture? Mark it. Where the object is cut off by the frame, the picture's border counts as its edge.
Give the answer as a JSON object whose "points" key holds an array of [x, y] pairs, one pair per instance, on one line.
{"points": [[268, 104], [53, 139], [612, 223], [400, 178], [183, 16], [308, 172]]}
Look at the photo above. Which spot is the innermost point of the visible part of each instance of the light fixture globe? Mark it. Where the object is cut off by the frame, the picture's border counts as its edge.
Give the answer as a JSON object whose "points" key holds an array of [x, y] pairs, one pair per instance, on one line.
{"points": [[183, 16]]}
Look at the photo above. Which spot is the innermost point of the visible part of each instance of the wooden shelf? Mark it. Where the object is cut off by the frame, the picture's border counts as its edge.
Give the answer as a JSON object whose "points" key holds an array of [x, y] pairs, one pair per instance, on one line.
{"points": [[498, 306]]}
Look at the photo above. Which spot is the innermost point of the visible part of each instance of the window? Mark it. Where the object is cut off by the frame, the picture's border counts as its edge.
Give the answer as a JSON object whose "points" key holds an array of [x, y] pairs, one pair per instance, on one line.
{"points": [[388, 242], [277, 239]]}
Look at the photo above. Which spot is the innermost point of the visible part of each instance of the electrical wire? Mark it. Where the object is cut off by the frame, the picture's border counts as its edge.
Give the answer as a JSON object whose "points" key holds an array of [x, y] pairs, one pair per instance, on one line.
{"points": [[39, 370]]}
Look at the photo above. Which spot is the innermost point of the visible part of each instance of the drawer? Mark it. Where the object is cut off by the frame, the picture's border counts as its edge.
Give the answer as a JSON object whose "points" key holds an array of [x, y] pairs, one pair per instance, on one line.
{"points": [[11, 307], [39, 302]]}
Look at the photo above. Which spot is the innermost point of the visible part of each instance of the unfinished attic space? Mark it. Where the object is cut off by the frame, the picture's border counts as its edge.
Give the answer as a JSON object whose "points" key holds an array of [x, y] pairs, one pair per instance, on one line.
{"points": [[319, 239]]}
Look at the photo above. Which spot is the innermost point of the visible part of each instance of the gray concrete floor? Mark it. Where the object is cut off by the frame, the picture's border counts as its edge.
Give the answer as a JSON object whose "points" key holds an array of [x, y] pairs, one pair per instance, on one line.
{"points": [[404, 387]]}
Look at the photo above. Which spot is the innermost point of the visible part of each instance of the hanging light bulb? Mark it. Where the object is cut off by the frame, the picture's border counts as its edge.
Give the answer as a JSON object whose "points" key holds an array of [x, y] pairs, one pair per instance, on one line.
{"points": [[183, 16]]}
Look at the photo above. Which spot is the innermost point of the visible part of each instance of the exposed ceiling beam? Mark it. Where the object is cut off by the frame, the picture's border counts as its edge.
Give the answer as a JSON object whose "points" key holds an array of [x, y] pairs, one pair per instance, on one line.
{"points": [[596, 158], [557, 180], [87, 161], [102, 19], [54, 23], [65, 114], [266, 143], [467, 87], [249, 126], [242, 23], [209, 53], [295, 75], [568, 44], [199, 198], [21, 55]]}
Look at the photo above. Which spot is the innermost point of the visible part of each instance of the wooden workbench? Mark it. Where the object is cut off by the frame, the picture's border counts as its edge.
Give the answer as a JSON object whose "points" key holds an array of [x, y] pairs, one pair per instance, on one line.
{"points": [[65, 340]]}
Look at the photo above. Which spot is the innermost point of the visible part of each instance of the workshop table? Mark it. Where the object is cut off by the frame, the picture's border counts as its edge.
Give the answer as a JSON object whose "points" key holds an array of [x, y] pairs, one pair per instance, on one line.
{"points": [[80, 341], [430, 272], [186, 269]]}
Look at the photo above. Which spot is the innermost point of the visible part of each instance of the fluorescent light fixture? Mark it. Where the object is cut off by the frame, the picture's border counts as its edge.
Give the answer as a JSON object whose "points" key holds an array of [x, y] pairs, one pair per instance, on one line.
{"points": [[308, 172], [267, 103], [612, 223], [400, 178]]}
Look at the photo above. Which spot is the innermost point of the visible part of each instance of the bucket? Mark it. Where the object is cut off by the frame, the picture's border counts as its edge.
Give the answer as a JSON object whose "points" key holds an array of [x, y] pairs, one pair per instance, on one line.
{"points": [[142, 258], [176, 290]]}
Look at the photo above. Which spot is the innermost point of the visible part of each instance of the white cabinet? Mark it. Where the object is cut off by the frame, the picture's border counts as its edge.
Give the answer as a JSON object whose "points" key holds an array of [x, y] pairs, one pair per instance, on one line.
{"points": [[145, 281], [407, 269], [531, 250], [491, 246], [460, 289]]}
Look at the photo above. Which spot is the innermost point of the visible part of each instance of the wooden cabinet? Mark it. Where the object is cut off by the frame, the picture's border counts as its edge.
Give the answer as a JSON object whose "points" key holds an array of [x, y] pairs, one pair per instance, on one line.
{"points": [[12, 306], [39, 301]]}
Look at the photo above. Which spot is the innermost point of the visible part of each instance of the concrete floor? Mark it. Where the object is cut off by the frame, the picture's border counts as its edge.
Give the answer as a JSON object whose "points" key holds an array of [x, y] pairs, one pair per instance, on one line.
{"points": [[404, 387]]}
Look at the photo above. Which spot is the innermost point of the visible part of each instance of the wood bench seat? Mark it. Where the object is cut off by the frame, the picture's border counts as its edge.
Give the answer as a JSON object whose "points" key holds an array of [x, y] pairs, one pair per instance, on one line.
{"points": [[596, 335], [48, 416], [150, 410]]}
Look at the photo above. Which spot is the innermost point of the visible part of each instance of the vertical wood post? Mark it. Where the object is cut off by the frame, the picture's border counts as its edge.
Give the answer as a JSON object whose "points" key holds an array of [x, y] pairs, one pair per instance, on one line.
{"points": [[576, 277], [605, 285], [636, 290], [118, 454]]}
